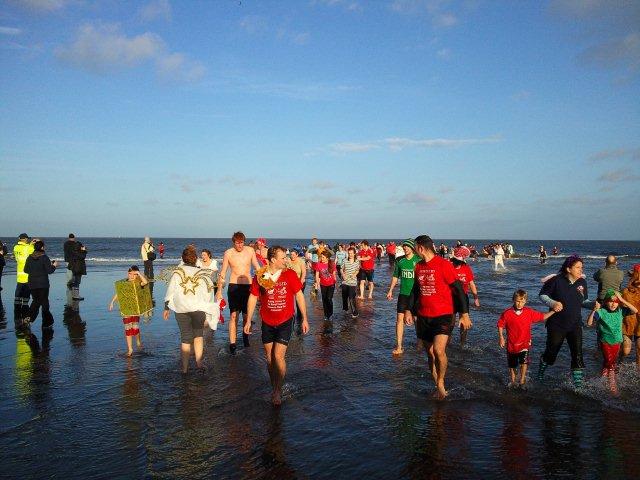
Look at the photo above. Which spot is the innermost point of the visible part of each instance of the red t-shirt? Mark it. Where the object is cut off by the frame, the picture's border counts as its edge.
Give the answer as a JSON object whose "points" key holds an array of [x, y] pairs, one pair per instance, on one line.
{"points": [[433, 279], [277, 304], [465, 275], [325, 272], [519, 327], [367, 264], [391, 249]]}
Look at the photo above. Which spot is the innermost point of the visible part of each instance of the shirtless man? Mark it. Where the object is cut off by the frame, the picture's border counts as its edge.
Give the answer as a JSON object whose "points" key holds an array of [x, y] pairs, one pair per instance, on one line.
{"points": [[239, 259]]}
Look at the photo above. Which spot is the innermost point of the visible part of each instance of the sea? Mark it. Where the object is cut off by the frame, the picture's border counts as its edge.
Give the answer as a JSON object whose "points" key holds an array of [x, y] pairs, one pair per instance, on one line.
{"points": [[72, 405]]}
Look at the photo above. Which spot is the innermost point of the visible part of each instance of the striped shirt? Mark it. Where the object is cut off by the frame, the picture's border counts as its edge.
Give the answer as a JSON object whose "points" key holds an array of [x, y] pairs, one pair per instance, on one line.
{"points": [[350, 270]]}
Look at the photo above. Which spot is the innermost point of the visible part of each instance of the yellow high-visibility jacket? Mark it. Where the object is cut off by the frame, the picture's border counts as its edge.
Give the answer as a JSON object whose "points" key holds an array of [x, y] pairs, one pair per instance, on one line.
{"points": [[21, 251]]}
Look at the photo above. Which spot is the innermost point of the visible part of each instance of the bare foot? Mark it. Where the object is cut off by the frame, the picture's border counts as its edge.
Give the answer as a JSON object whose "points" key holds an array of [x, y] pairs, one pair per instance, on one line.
{"points": [[398, 351], [360, 298], [276, 399], [140, 346], [441, 393], [129, 353], [370, 297]]}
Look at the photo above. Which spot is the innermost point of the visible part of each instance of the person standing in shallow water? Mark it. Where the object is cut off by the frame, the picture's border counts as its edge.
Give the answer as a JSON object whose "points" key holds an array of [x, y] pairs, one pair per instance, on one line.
{"points": [[566, 294], [39, 266], [404, 273], [434, 288], [239, 259], [277, 287]]}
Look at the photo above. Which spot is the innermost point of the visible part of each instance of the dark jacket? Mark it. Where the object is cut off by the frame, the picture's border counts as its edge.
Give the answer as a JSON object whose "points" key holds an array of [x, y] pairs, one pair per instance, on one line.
{"points": [[76, 263], [68, 248], [38, 266]]}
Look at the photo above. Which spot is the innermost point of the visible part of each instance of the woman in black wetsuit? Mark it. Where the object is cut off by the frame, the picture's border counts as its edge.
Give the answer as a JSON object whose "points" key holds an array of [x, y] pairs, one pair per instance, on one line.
{"points": [[566, 294]]}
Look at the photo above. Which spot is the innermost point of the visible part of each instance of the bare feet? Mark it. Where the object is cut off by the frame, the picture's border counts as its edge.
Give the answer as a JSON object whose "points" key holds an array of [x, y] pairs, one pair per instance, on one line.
{"points": [[360, 298], [276, 399], [398, 351]]}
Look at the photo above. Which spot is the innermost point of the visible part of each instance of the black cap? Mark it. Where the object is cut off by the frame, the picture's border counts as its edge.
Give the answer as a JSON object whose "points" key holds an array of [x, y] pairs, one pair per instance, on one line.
{"points": [[71, 235], [23, 236]]}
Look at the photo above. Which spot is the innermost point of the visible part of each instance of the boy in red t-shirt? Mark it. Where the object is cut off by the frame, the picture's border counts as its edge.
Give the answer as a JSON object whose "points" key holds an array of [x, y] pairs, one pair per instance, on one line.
{"points": [[367, 258], [276, 286], [517, 322]]}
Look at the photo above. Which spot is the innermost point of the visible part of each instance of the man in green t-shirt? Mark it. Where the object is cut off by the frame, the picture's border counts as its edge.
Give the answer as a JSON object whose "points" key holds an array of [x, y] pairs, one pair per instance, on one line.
{"points": [[403, 270]]}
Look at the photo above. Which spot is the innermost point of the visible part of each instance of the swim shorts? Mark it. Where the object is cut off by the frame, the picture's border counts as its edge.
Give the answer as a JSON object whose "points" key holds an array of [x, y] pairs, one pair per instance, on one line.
{"points": [[428, 327], [238, 296], [405, 302], [365, 275], [278, 334], [520, 358]]}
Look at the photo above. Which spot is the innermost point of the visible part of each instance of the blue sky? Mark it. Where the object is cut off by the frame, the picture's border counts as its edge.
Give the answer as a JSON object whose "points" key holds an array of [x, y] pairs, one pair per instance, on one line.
{"points": [[335, 118]]}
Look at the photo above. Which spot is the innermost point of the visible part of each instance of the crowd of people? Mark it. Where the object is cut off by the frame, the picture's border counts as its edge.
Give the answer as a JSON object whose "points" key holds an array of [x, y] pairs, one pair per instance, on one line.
{"points": [[434, 286]]}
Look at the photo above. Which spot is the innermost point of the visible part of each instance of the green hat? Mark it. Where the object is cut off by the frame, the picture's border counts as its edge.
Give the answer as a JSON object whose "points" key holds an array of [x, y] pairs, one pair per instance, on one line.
{"points": [[611, 293], [409, 242]]}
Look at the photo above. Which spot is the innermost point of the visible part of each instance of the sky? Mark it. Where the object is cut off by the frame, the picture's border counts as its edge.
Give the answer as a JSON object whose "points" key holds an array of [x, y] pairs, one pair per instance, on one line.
{"points": [[333, 118]]}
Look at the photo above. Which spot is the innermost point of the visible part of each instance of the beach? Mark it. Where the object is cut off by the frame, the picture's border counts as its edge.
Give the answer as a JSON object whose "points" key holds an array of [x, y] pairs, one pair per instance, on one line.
{"points": [[74, 406]]}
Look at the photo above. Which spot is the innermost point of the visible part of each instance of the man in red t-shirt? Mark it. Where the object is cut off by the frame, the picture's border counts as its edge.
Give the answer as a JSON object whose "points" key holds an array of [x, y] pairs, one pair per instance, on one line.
{"points": [[276, 286], [434, 288], [367, 257]]}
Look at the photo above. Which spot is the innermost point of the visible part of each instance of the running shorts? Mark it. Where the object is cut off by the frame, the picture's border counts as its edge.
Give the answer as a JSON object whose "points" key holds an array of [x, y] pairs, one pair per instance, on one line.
{"points": [[428, 327], [238, 296], [405, 302], [278, 334], [365, 275], [519, 358]]}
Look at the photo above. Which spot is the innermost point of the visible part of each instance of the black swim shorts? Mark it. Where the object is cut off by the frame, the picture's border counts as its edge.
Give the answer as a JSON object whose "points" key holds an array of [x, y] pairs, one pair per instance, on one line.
{"points": [[520, 358], [428, 327], [365, 275], [279, 334], [405, 302], [238, 295]]}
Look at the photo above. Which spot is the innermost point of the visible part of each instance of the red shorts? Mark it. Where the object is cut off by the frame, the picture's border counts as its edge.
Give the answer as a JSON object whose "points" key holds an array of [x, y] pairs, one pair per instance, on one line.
{"points": [[131, 326], [609, 355]]}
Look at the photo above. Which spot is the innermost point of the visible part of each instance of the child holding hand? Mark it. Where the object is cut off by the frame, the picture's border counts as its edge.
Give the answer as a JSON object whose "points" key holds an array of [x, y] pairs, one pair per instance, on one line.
{"points": [[608, 320], [516, 321]]}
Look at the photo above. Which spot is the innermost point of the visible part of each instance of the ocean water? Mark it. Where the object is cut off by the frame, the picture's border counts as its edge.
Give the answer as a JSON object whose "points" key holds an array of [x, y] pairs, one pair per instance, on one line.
{"points": [[73, 406]]}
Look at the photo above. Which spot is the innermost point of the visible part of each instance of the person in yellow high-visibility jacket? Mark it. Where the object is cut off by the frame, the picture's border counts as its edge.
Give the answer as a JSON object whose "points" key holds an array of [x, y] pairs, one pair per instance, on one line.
{"points": [[21, 251]]}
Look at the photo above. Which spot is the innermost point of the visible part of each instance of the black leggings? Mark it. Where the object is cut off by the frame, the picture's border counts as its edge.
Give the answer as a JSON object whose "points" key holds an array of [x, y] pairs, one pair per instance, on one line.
{"points": [[327, 300], [555, 338], [298, 312], [349, 298], [40, 298]]}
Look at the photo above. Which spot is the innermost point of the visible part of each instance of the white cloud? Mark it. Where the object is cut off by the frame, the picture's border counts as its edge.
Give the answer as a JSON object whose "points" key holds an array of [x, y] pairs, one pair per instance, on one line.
{"points": [[610, 36], [398, 144], [352, 147], [156, 10], [615, 154], [322, 185], [259, 25], [402, 143], [444, 53], [349, 5], [11, 31], [418, 199], [617, 176], [105, 48], [254, 24]]}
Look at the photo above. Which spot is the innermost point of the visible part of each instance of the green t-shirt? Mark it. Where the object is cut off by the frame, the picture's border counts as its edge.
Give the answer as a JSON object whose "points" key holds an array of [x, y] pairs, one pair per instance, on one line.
{"points": [[404, 271], [610, 325]]}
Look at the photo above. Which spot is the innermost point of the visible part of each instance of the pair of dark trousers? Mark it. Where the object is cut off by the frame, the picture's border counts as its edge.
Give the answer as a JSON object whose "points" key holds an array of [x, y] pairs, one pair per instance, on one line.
{"points": [[40, 298], [327, 300], [148, 268], [349, 298], [298, 312], [555, 339]]}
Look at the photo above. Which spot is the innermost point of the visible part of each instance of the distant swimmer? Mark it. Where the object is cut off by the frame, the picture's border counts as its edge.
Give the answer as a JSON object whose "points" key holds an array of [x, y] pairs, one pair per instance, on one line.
{"points": [[543, 255], [277, 287], [498, 257], [435, 286], [240, 258], [555, 251]]}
